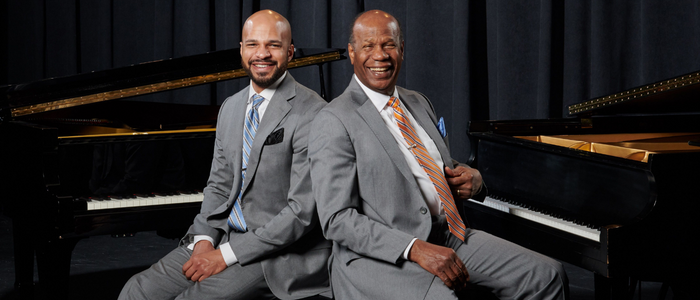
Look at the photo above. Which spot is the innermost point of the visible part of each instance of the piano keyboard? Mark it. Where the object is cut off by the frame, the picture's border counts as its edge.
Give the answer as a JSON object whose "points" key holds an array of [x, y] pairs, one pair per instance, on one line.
{"points": [[111, 202], [570, 227]]}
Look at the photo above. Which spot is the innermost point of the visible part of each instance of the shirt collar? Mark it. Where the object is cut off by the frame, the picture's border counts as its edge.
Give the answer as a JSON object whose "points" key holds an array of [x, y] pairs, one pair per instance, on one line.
{"points": [[268, 92], [379, 100]]}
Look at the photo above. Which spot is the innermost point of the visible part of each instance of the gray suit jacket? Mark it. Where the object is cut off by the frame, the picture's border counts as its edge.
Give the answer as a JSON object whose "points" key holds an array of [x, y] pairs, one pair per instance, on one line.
{"points": [[277, 203], [368, 201]]}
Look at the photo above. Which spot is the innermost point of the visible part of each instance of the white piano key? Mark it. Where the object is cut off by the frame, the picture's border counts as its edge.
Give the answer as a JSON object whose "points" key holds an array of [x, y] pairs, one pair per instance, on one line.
{"points": [[101, 204], [567, 226], [144, 201]]}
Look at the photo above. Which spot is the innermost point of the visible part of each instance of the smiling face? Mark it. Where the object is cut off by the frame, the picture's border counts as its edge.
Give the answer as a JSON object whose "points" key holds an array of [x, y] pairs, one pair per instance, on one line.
{"points": [[376, 51], [266, 48]]}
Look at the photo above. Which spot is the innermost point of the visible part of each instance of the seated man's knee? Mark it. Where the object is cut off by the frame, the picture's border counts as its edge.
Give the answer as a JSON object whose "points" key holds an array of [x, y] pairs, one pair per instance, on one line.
{"points": [[131, 288], [555, 283]]}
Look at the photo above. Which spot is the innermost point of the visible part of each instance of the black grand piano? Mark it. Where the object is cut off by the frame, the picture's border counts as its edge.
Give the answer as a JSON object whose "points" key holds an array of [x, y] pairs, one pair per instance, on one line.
{"points": [[79, 161], [613, 190]]}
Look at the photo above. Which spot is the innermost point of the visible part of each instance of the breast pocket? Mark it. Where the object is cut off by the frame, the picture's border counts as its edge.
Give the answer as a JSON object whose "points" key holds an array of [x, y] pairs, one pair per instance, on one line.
{"points": [[276, 137]]}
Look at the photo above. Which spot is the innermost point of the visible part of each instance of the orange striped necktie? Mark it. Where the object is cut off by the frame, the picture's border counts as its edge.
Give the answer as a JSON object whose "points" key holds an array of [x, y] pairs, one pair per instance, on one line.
{"points": [[454, 221]]}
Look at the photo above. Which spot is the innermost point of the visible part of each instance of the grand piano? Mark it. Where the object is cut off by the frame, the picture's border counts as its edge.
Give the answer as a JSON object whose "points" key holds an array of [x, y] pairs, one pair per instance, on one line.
{"points": [[613, 189], [80, 160]]}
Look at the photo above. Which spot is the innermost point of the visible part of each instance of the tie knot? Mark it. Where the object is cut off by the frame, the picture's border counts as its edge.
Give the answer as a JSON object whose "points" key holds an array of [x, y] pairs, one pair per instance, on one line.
{"points": [[394, 102], [257, 100]]}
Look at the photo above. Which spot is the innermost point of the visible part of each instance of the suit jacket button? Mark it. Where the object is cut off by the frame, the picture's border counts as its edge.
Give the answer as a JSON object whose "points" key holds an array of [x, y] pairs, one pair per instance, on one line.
{"points": [[423, 210]]}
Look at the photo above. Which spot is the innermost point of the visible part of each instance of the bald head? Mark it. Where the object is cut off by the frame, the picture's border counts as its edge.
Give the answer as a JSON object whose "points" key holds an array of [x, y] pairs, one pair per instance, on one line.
{"points": [[375, 15], [268, 20], [376, 50], [266, 48]]}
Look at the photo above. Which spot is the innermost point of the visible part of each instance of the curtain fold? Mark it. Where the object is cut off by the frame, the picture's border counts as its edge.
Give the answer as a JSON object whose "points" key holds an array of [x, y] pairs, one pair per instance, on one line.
{"points": [[475, 59]]}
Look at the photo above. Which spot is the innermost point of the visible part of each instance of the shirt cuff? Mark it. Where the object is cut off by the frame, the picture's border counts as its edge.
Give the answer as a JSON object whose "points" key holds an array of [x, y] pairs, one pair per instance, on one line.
{"points": [[198, 238], [408, 248], [229, 257], [226, 251]]}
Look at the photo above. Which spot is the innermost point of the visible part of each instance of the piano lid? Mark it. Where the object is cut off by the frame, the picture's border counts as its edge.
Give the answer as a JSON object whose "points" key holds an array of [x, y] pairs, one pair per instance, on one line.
{"points": [[677, 95], [145, 78]]}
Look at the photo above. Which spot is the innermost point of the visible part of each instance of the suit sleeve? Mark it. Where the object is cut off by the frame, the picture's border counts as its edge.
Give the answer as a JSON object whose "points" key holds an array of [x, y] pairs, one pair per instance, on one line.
{"points": [[298, 217], [336, 190], [216, 192]]}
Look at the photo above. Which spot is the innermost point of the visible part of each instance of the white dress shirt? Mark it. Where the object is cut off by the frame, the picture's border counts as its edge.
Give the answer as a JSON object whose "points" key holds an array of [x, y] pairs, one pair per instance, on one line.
{"points": [[426, 185], [267, 94]]}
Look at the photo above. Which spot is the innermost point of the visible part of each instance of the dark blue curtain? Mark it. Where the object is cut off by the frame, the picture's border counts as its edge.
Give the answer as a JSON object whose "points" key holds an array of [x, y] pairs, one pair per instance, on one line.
{"points": [[475, 59]]}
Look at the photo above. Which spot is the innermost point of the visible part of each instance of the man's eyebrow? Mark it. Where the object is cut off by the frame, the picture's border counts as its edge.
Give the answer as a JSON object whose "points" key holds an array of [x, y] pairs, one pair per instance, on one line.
{"points": [[269, 41]]}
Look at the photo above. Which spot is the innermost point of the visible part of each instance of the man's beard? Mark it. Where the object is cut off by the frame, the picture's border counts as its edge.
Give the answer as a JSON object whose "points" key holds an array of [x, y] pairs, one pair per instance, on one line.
{"points": [[264, 82]]}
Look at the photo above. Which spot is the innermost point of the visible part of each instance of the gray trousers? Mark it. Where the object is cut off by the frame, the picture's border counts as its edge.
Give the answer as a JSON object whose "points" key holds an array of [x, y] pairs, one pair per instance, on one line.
{"points": [[504, 268], [164, 280]]}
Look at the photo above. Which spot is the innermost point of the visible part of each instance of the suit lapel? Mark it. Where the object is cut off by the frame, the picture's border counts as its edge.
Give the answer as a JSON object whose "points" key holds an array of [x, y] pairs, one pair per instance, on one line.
{"points": [[278, 108], [239, 107], [421, 115], [369, 113]]}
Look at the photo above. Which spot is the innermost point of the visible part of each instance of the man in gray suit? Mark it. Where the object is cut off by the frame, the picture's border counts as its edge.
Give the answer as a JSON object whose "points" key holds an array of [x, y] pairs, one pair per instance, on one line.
{"points": [[256, 236], [385, 186]]}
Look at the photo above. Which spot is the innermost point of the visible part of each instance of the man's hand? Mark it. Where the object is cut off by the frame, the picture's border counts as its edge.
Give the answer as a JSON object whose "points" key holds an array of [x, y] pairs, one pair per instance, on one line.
{"points": [[201, 247], [441, 261], [464, 182], [204, 262]]}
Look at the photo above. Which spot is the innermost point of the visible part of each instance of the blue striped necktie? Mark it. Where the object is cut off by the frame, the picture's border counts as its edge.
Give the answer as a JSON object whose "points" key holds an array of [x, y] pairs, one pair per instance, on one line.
{"points": [[235, 219]]}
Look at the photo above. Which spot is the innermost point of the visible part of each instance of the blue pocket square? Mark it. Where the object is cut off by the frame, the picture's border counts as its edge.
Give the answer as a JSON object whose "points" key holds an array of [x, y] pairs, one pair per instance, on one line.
{"points": [[441, 127]]}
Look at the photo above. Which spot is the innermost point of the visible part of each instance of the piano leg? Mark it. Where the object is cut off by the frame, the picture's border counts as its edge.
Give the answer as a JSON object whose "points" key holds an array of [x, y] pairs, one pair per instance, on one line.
{"points": [[612, 288], [24, 258], [53, 263], [53, 258]]}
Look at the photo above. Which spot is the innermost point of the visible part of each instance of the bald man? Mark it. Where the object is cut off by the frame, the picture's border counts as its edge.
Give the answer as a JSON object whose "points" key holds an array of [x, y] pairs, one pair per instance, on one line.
{"points": [[256, 236], [387, 192]]}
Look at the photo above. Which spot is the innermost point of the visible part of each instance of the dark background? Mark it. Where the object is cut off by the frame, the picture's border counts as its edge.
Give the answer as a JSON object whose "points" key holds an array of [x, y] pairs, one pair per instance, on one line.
{"points": [[476, 59]]}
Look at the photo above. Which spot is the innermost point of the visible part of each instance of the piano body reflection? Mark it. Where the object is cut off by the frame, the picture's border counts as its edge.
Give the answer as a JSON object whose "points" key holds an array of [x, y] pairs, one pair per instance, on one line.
{"points": [[83, 163], [613, 191]]}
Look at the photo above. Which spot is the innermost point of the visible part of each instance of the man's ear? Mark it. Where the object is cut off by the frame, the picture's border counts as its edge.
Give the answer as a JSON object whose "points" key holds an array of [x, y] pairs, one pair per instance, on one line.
{"points": [[351, 53], [290, 52]]}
